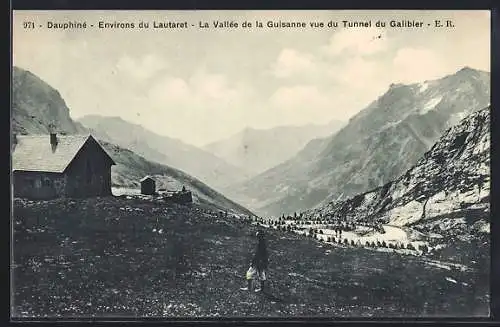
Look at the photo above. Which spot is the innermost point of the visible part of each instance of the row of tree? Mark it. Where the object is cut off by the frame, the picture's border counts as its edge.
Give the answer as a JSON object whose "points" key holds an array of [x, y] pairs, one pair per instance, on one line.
{"points": [[422, 248], [317, 234], [331, 223]]}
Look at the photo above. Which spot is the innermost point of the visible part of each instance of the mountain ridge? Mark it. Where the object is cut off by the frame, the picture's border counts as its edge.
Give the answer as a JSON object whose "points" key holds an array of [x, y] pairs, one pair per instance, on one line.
{"points": [[447, 191], [379, 143], [31, 96], [163, 149], [257, 150]]}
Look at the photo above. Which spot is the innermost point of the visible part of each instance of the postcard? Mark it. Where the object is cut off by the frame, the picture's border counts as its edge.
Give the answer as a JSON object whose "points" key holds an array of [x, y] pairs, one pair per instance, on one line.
{"points": [[250, 164]]}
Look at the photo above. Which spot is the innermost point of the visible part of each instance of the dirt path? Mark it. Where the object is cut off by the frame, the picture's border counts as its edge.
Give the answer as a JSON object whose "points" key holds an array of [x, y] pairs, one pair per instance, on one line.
{"points": [[392, 234]]}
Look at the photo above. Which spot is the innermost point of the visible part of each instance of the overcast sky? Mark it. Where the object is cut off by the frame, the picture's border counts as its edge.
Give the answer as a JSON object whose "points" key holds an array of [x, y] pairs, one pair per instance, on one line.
{"points": [[203, 85]]}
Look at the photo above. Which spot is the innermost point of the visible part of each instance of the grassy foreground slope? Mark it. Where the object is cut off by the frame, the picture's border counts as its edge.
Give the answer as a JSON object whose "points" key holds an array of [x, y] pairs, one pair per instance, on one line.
{"points": [[102, 257]]}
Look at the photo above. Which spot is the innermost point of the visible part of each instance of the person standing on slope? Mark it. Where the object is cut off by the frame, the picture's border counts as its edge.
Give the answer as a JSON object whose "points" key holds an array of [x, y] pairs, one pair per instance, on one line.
{"points": [[259, 264]]}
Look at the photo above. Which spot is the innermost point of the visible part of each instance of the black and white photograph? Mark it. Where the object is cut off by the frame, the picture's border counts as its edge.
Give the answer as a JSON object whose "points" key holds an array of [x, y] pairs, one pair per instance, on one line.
{"points": [[250, 164]]}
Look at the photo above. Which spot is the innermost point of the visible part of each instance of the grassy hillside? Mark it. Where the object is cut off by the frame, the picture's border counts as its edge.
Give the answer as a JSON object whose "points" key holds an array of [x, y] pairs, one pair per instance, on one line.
{"points": [[36, 105], [104, 257], [130, 168]]}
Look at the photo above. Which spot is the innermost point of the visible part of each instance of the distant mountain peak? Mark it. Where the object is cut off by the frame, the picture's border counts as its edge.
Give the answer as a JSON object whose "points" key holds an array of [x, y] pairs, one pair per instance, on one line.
{"points": [[396, 85], [257, 149], [164, 149], [379, 143], [467, 69], [248, 129], [452, 177]]}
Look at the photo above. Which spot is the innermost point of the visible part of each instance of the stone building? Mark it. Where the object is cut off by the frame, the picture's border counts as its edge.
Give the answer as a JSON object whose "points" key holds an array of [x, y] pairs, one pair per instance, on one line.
{"points": [[51, 166]]}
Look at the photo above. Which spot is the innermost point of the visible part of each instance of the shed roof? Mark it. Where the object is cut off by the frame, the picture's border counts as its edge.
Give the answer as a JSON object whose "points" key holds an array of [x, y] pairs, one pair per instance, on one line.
{"points": [[145, 178], [35, 153]]}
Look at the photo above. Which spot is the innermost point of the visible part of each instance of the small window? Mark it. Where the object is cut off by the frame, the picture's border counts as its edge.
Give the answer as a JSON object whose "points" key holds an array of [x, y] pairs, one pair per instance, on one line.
{"points": [[38, 183], [47, 182]]}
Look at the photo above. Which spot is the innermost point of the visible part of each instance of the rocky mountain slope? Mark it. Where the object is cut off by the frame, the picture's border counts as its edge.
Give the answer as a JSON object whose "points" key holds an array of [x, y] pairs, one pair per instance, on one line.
{"points": [[199, 163], [36, 105], [445, 194], [377, 145], [257, 150]]}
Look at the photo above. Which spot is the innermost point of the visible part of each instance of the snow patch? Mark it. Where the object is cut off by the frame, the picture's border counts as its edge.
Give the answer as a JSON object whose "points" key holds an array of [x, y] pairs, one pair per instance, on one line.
{"points": [[485, 228], [407, 214], [438, 265], [423, 86], [451, 280], [369, 197], [392, 234], [431, 104], [457, 117]]}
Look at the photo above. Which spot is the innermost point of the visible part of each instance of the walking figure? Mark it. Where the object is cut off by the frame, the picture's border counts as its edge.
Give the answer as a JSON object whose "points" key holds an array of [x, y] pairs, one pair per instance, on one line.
{"points": [[258, 266]]}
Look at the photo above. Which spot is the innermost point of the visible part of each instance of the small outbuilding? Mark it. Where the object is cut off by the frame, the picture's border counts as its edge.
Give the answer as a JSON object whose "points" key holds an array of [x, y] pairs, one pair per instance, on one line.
{"points": [[148, 186]]}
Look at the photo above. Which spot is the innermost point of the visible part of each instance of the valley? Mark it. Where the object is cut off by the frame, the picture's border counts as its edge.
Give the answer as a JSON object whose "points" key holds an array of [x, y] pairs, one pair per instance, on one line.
{"points": [[393, 200]]}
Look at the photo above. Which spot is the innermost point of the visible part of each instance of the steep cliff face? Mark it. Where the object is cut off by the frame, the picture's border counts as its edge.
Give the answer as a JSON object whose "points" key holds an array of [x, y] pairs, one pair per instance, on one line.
{"points": [[377, 145], [36, 106], [446, 192]]}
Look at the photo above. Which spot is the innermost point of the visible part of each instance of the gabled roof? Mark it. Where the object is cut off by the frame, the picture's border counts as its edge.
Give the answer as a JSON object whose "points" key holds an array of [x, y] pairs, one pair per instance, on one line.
{"points": [[146, 178], [35, 153]]}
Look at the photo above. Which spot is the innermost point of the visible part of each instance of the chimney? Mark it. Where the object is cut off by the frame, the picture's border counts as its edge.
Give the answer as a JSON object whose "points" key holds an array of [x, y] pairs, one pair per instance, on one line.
{"points": [[53, 139]]}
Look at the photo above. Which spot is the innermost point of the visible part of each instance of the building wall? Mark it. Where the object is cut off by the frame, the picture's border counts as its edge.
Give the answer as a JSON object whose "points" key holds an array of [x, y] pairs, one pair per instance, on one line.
{"points": [[39, 185], [148, 187], [183, 197], [90, 172]]}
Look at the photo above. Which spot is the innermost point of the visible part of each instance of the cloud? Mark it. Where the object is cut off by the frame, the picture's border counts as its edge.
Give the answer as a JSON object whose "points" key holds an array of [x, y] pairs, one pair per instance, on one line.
{"points": [[411, 65], [200, 89], [357, 41], [363, 79], [356, 72], [298, 96], [141, 68], [186, 87], [348, 81], [169, 89], [214, 87], [291, 62], [299, 104], [206, 103]]}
